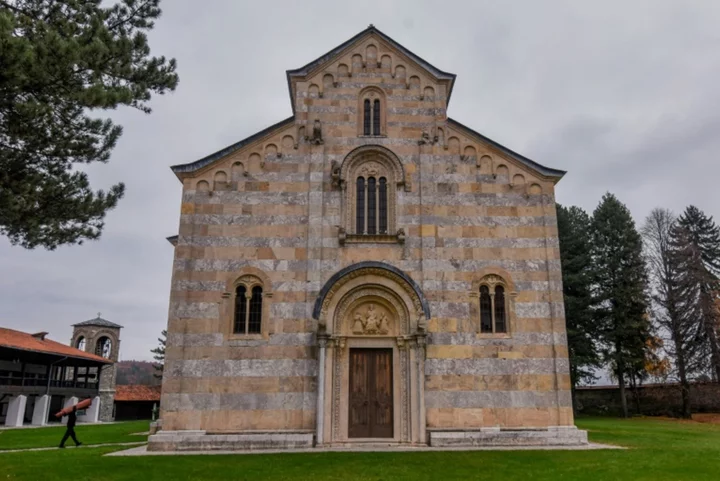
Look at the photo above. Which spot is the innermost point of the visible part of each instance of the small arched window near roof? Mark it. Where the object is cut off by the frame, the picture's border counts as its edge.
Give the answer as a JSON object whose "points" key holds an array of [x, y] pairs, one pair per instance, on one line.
{"points": [[372, 112]]}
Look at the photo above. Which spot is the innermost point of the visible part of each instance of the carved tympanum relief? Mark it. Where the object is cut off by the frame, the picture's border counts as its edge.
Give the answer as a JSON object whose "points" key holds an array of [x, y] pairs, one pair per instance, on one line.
{"points": [[371, 319]]}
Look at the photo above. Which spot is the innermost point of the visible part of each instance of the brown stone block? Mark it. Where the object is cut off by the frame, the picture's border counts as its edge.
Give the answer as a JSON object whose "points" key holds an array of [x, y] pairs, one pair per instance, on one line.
{"points": [[440, 417], [229, 421], [194, 326], [450, 382], [527, 324], [266, 352], [435, 351], [292, 326]]}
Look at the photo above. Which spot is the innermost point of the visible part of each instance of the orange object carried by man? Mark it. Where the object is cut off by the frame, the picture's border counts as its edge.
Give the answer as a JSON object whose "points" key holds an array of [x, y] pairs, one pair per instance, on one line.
{"points": [[84, 404]]}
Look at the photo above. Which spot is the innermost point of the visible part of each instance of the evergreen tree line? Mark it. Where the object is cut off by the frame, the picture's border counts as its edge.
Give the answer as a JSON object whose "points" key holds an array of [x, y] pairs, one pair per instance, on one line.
{"points": [[641, 303]]}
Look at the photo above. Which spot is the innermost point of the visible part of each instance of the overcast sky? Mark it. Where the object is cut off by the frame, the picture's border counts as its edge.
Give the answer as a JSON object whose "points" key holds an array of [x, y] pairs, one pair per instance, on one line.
{"points": [[624, 95]]}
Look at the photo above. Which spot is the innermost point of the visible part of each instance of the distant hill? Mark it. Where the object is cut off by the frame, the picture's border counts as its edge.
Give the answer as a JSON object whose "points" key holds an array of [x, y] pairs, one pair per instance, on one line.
{"points": [[136, 372]]}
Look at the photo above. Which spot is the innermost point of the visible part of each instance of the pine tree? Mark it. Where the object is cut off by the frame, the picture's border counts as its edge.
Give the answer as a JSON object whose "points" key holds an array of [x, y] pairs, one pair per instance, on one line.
{"points": [[574, 236], [159, 354], [697, 238], [619, 286], [60, 60], [663, 249]]}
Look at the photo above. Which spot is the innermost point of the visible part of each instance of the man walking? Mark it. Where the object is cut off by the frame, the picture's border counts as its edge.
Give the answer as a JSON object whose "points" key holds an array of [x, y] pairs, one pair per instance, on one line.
{"points": [[70, 431]]}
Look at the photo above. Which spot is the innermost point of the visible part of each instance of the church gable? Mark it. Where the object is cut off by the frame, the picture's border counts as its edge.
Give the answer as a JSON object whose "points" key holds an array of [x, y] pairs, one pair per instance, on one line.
{"points": [[367, 54], [371, 86]]}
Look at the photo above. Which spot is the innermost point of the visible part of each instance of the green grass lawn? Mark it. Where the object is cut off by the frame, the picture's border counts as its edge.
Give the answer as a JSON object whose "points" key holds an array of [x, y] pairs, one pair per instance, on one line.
{"points": [[95, 434], [660, 450]]}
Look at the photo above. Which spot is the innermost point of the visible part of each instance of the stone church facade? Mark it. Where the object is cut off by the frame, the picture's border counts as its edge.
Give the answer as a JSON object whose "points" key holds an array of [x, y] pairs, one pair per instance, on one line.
{"points": [[367, 270]]}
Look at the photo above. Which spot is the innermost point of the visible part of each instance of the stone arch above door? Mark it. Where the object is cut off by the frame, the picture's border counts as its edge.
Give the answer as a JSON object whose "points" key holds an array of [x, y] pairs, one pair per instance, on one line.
{"points": [[371, 274]]}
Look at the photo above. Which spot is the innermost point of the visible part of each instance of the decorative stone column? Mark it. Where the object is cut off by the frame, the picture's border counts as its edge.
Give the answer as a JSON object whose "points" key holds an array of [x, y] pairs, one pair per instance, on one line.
{"points": [[320, 411], [420, 340]]}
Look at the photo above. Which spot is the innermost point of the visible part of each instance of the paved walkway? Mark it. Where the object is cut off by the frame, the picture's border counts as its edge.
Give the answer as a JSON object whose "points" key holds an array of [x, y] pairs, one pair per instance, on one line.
{"points": [[142, 450], [55, 448]]}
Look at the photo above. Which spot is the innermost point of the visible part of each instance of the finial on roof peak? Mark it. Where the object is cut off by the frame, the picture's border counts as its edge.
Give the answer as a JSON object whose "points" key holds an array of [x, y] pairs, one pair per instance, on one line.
{"points": [[371, 26], [99, 314]]}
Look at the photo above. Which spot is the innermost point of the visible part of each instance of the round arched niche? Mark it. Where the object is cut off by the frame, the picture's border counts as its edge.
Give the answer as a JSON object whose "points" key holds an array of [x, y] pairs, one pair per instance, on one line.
{"points": [[371, 310], [376, 278]]}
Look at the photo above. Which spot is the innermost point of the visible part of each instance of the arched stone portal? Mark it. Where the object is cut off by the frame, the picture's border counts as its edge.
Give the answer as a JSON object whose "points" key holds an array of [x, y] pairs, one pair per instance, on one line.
{"points": [[371, 335]]}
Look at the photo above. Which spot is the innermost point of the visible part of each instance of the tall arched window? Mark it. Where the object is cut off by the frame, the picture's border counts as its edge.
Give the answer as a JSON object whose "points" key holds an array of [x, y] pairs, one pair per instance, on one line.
{"points": [[500, 324], [248, 306], [494, 305], [376, 117], [485, 310], [371, 210], [360, 210], [241, 309], [371, 207], [370, 177], [367, 114], [80, 343], [255, 317], [372, 117], [383, 207]]}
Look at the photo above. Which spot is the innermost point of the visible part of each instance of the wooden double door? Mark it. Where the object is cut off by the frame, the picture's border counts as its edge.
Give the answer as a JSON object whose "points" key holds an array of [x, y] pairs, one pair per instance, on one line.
{"points": [[370, 394]]}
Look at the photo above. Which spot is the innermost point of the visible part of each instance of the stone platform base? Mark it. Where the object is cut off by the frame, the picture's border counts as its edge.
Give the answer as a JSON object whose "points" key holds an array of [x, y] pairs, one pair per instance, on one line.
{"points": [[552, 436], [253, 441]]}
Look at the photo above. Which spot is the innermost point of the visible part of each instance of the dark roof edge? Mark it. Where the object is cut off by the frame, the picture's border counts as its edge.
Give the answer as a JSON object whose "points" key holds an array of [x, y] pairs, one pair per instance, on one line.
{"points": [[60, 355], [198, 164], [327, 56], [173, 239], [99, 324], [547, 171]]}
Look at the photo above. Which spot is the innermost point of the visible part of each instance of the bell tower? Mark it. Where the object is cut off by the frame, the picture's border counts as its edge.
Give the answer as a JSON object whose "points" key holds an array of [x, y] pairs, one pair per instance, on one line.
{"points": [[101, 337]]}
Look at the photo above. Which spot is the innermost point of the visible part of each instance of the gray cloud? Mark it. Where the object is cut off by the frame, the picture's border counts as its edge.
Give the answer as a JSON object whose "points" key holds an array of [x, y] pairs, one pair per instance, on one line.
{"points": [[621, 94]]}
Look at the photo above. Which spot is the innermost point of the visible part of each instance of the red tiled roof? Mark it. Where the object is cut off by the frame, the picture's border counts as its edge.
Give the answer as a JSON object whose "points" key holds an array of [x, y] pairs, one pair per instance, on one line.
{"points": [[21, 340], [137, 392]]}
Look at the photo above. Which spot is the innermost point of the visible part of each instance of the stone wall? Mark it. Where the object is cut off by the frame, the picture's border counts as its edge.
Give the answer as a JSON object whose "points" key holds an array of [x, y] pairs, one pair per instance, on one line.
{"points": [[655, 399], [272, 209]]}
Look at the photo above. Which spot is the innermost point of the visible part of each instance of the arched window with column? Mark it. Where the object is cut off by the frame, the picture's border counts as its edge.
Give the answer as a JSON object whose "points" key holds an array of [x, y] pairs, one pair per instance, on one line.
{"points": [[248, 315], [494, 305], [372, 112], [371, 207], [370, 177]]}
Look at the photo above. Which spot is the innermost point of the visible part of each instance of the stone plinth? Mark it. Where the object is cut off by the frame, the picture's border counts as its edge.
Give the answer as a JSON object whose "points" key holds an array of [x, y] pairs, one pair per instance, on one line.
{"points": [[552, 436], [40, 410], [202, 441], [16, 411]]}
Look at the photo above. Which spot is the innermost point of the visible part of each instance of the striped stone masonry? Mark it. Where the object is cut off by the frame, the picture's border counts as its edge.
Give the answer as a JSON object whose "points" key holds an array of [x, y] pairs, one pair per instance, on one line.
{"points": [[274, 208]]}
